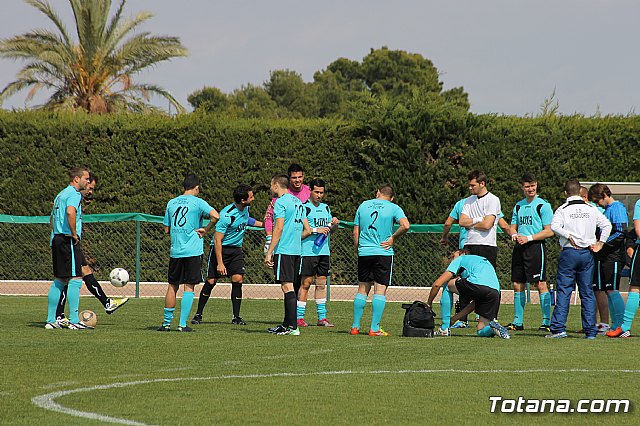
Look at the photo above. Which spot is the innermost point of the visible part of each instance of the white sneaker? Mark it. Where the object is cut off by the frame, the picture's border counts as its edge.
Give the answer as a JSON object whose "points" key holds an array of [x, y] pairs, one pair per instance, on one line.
{"points": [[442, 332], [602, 327]]}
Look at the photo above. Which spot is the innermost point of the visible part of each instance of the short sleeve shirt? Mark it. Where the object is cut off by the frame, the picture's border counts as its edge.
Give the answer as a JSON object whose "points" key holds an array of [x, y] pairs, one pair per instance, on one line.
{"points": [[532, 217], [232, 224], [475, 269], [290, 209], [477, 207], [318, 217], [376, 219], [67, 197], [183, 216]]}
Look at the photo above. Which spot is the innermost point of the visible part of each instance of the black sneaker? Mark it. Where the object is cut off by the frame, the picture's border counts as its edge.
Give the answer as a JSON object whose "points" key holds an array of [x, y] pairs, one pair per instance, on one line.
{"points": [[513, 326], [185, 329], [277, 329], [238, 321], [164, 328], [197, 319], [544, 328]]}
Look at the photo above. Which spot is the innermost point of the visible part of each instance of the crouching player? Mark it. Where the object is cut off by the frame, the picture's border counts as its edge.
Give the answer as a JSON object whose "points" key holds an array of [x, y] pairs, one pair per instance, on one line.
{"points": [[226, 258], [315, 259], [476, 281]]}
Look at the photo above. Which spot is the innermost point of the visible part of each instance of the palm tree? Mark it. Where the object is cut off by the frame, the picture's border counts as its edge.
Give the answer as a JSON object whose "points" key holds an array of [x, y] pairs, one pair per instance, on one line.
{"points": [[95, 73]]}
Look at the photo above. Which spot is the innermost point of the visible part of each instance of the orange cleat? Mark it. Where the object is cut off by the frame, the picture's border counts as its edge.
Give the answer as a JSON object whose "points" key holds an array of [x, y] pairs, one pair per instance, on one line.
{"points": [[354, 331], [614, 333], [380, 332]]}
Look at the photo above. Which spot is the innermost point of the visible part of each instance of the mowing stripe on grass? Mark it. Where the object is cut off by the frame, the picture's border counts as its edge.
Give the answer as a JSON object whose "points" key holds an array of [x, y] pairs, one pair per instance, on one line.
{"points": [[47, 401]]}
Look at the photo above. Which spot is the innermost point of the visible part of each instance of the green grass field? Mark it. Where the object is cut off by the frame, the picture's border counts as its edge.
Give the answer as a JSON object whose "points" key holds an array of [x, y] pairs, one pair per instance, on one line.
{"points": [[243, 375]]}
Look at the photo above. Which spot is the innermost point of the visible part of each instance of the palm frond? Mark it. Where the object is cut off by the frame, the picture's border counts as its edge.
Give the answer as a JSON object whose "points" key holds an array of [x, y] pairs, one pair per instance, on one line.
{"points": [[44, 7]]}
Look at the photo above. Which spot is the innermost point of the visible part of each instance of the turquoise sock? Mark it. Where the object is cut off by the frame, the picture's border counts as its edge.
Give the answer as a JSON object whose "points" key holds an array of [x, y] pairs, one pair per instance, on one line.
{"points": [[519, 301], [168, 316], [545, 307], [486, 331], [377, 304], [301, 308], [630, 310], [185, 307], [53, 298], [73, 297], [359, 302], [446, 301], [616, 308], [321, 307]]}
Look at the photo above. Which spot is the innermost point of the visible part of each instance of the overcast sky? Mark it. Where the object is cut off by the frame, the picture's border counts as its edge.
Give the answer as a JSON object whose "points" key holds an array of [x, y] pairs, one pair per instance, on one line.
{"points": [[509, 55]]}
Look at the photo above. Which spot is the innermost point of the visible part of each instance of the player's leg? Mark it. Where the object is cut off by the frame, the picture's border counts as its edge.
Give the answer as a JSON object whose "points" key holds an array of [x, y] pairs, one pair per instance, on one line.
{"points": [[565, 279], [518, 278], [536, 274], [61, 303], [286, 269], [446, 302], [192, 276], [599, 289], [185, 306], [616, 303], [545, 305], [382, 274], [74, 286], [54, 297], [207, 288], [61, 257], [236, 298], [169, 306], [365, 282], [487, 302], [633, 300], [323, 270], [301, 304], [584, 275]]}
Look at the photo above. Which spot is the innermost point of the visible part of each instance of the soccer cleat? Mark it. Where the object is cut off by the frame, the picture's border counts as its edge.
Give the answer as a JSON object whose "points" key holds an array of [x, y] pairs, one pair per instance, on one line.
{"points": [[354, 331], [164, 328], [277, 329], [460, 324], [499, 330], [560, 335], [444, 332], [79, 326], [515, 327], [602, 328], [197, 319], [288, 331], [63, 322], [238, 321], [590, 337], [625, 334], [185, 329], [544, 328], [52, 325], [614, 333], [380, 332], [302, 323], [324, 323], [114, 304]]}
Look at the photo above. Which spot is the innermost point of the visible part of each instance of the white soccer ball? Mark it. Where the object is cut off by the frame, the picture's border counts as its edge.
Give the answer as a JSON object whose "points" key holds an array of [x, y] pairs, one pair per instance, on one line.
{"points": [[119, 277]]}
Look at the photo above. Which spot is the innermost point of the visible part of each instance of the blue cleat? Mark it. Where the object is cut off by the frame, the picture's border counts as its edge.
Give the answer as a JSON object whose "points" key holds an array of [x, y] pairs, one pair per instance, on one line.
{"points": [[560, 335], [460, 324], [499, 330]]}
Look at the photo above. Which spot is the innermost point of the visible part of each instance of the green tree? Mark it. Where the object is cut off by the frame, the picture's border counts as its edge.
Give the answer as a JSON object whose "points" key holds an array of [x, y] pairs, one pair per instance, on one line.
{"points": [[288, 90], [95, 72], [209, 99]]}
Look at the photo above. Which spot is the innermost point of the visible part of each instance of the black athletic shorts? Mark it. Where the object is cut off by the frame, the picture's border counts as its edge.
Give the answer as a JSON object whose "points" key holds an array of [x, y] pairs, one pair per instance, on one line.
{"points": [[68, 257], [233, 259], [375, 268], [606, 275], [488, 252], [311, 266], [487, 299], [634, 280], [286, 267], [528, 263], [185, 270]]}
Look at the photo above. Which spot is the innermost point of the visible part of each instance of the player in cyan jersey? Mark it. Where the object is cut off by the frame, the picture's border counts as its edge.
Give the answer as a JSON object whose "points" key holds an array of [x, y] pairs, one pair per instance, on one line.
{"points": [[226, 258], [315, 261], [183, 221], [374, 238], [65, 220], [530, 226]]}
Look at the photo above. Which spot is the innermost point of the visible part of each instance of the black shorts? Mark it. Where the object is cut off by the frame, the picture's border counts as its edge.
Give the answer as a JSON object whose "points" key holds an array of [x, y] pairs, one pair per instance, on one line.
{"points": [[488, 252], [311, 266], [528, 263], [286, 268], [487, 299], [233, 259], [634, 279], [606, 275], [68, 258], [185, 270], [375, 268]]}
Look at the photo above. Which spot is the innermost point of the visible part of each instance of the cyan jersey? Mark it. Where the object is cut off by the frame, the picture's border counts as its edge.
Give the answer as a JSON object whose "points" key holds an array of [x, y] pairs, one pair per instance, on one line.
{"points": [[67, 197], [376, 219], [455, 213], [232, 224], [475, 269], [318, 217], [636, 216], [532, 217], [183, 216], [290, 209]]}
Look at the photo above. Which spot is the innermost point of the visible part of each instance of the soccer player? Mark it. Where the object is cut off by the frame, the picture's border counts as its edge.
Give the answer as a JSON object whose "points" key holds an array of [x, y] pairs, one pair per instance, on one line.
{"points": [[110, 304], [183, 221], [315, 260], [226, 258], [633, 297], [610, 261], [575, 223], [530, 226], [283, 255], [477, 281], [65, 221], [374, 239]]}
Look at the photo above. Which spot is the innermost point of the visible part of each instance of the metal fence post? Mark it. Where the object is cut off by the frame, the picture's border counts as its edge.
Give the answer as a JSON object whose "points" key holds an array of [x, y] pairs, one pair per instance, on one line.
{"points": [[137, 259]]}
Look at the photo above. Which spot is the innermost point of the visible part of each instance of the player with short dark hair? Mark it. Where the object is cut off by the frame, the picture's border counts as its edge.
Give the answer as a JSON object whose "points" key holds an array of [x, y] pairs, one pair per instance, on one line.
{"points": [[226, 258], [374, 238], [530, 226], [315, 264], [66, 221], [183, 221]]}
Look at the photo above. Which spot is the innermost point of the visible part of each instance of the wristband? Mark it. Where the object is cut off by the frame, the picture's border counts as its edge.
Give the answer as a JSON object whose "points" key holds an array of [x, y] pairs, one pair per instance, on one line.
{"points": [[477, 220], [251, 221], [314, 230], [529, 238]]}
